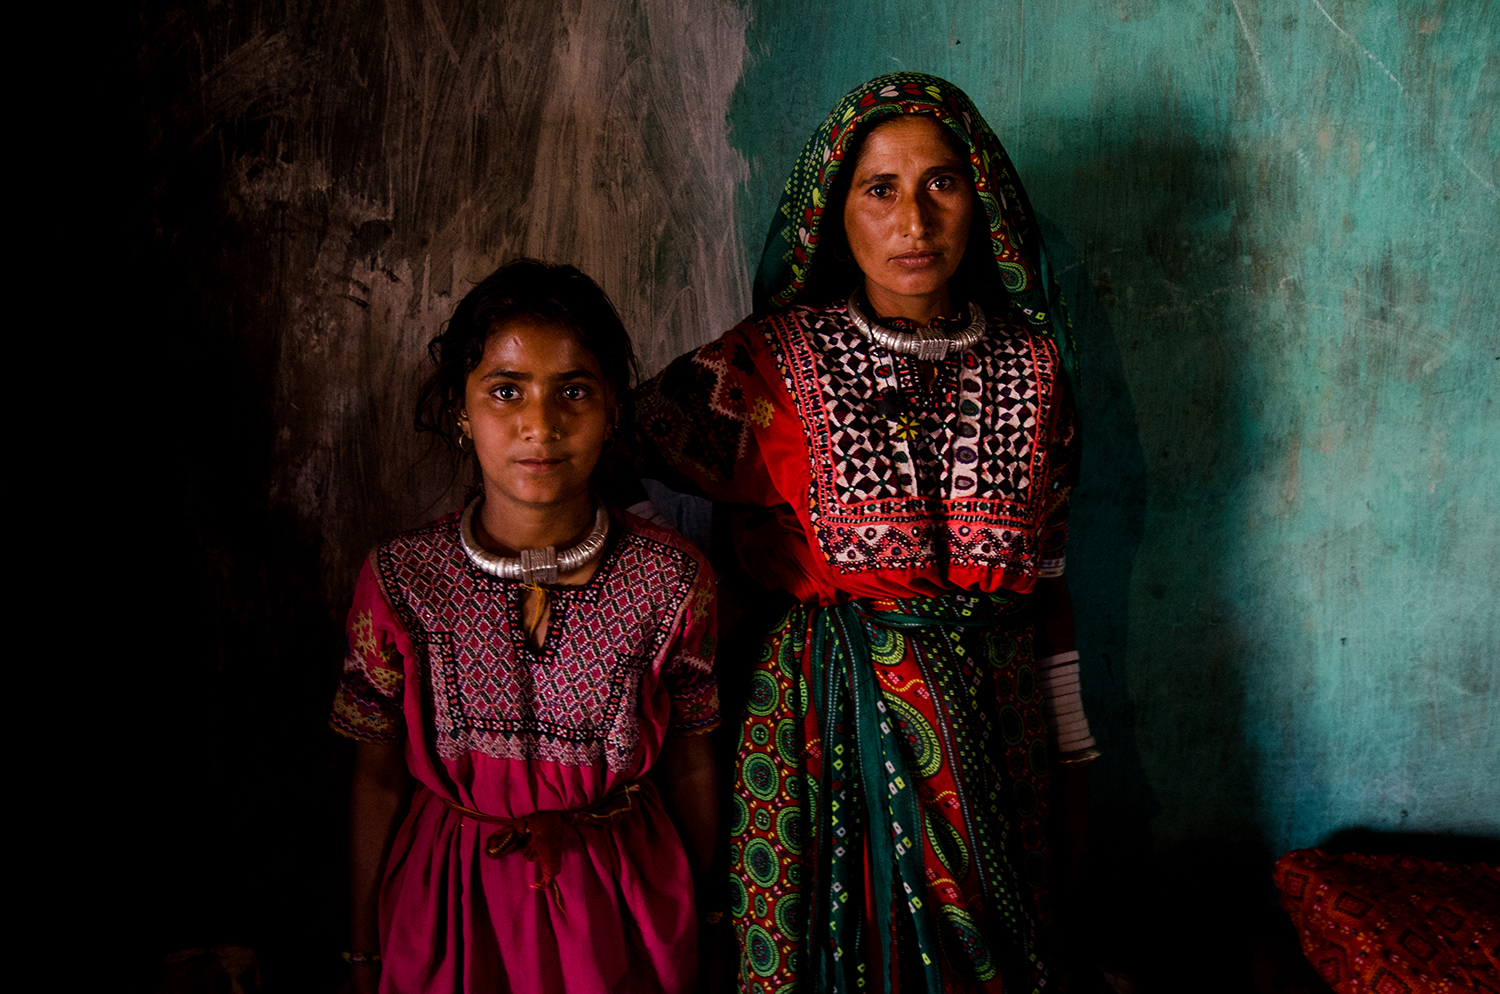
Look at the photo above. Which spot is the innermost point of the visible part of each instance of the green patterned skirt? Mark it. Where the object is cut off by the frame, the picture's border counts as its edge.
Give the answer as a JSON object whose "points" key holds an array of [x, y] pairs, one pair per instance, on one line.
{"points": [[890, 800]]}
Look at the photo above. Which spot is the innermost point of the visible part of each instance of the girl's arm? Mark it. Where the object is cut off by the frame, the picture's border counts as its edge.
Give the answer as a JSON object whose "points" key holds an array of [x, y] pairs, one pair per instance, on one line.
{"points": [[692, 799], [690, 777], [376, 800]]}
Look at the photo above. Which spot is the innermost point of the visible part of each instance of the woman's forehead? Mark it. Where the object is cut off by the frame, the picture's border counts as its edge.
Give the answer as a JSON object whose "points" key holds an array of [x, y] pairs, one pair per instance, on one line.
{"points": [[906, 136]]}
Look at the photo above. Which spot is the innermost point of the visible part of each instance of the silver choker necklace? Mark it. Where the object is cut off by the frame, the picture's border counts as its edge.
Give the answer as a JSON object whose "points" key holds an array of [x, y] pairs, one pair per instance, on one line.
{"points": [[533, 565], [927, 345]]}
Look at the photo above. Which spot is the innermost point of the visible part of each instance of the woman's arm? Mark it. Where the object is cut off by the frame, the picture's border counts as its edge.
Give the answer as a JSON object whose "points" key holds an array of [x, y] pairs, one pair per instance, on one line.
{"points": [[1054, 627], [376, 799], [695, 422], [1054, 634]]}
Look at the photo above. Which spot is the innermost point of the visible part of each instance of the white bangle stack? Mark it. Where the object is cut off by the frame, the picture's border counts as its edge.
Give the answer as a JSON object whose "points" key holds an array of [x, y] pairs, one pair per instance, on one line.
{"points": [[1071, 738]]}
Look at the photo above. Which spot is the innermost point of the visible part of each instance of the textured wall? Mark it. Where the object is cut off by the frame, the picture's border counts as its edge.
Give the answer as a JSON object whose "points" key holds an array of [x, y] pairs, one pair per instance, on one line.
{"points": [[1287, 544], [1278, 219], [322, 182]]}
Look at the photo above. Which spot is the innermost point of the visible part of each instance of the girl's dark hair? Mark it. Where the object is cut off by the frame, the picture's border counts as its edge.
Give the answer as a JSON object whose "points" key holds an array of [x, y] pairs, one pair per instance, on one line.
{"points": [[525, 288], [834, 273]]}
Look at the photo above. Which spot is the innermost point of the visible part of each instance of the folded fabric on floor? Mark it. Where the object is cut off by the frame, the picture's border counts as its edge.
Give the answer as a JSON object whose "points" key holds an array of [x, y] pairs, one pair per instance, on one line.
{"points": [[1392, 924]]}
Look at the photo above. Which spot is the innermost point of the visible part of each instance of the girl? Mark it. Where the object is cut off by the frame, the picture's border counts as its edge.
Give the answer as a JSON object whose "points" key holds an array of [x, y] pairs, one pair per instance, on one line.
{"points": [[899, 409], [528, 661]]}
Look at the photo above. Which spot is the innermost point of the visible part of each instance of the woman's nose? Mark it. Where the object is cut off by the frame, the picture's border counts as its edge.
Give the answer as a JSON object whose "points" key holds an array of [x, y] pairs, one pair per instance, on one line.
{"points": [[916, 216]]}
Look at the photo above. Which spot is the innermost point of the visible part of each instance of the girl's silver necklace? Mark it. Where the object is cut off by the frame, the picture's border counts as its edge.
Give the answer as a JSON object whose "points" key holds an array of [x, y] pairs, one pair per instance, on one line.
{"points": [[534, 566]]}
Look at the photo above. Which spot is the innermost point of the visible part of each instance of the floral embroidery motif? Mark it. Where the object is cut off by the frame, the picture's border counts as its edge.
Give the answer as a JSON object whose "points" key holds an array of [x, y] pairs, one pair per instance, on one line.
{"points": [[761, 412], [702, 598], [371, 679]]}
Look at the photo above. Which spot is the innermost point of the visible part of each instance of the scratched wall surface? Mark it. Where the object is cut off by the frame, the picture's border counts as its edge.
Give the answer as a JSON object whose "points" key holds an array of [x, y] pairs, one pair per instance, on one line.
{"points": [[324, 181], [1277, 219], [1286, 551]]}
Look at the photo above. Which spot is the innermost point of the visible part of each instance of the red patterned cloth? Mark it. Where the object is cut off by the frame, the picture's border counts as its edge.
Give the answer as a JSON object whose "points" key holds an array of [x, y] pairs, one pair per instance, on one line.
{"points": [[878, 484], [1394, 924]]}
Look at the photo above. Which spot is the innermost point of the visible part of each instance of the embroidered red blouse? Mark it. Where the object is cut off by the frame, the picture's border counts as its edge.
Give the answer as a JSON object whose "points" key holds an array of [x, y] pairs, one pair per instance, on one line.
{"points": [[877, 485]]}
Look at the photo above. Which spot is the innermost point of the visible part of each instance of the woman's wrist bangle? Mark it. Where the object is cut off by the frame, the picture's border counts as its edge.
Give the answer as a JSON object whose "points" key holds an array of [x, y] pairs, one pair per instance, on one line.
{"points": [[1082, 757], [361, 959]]}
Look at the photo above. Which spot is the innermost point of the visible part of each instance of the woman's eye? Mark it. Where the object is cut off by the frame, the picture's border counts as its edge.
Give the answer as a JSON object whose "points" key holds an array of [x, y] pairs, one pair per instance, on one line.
{"points": [[880, 191], [943, 183]]}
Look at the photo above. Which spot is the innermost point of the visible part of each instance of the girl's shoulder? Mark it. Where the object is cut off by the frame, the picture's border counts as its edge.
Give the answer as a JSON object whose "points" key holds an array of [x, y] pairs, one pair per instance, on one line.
{"points": [[439, 536], [656, 534], [418, 556]]}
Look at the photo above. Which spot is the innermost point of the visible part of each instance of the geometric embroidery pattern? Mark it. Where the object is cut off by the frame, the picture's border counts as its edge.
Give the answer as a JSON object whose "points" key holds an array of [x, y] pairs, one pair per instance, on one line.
{"points": [[879, 439], [574, 701], [696, 413]]}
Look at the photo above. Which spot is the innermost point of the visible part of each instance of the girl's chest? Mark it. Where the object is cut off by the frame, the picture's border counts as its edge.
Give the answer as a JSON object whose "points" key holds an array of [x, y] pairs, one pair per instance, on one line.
{"points": [[576, 698]]}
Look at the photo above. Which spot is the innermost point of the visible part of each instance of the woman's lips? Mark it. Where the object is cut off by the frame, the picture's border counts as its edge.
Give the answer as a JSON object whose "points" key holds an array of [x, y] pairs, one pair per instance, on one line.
{"points": [[916, 260]]}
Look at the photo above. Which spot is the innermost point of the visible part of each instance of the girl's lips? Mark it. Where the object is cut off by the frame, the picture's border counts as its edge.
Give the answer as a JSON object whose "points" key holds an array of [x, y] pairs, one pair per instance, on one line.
{"points": [[539, 464]]}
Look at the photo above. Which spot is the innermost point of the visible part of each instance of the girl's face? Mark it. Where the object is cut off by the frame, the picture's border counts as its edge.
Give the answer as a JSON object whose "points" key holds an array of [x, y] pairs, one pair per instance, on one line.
{"points": [[907, 215], [539, 412]]}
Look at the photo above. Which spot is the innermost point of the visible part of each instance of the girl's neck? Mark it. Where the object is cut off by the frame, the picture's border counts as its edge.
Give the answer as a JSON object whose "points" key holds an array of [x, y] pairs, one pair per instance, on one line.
{"points": [[505, 527]]}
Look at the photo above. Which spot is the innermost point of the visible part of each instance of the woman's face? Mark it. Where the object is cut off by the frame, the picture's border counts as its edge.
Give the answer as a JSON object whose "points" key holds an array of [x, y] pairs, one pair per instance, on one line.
{"points": [[907, 217], [539, 411]]}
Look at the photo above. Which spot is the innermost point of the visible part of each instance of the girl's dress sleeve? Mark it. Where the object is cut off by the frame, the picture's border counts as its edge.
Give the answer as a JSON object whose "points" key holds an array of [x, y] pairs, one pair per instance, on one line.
{"points": [[1062, 474], [688, 671], [696, 421], [367, 704]]}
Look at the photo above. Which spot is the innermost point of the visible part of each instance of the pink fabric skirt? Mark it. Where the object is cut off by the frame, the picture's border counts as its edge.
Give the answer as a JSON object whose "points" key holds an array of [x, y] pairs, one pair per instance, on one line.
{"points": [[619, 916]]}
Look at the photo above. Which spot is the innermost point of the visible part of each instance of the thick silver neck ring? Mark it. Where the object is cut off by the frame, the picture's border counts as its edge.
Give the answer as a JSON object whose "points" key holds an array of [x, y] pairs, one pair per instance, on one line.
{"points": [[534, 565], [927, 345]]}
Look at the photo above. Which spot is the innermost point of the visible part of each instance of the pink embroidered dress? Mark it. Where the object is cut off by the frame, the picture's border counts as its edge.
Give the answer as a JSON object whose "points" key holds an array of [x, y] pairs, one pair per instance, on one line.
{"points": [[438, 656]]}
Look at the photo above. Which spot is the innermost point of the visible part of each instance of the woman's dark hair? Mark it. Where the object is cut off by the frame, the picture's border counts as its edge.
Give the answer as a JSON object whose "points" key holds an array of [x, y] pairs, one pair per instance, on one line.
{"points": [[525, 288], [834, 272]]}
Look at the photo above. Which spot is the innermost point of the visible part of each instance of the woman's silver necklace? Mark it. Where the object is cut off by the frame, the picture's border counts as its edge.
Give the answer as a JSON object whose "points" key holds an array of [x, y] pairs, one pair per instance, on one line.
{"points": [[533, 566], [928, 345]]}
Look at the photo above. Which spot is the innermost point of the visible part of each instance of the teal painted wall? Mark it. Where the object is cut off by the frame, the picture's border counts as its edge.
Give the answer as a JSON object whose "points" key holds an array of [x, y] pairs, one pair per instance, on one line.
{"points": [[1281, 221]]}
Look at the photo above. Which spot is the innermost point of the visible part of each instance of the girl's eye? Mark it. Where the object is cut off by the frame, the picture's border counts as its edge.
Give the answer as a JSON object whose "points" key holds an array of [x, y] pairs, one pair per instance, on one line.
{"points": [[506, 391], [575, 391]]}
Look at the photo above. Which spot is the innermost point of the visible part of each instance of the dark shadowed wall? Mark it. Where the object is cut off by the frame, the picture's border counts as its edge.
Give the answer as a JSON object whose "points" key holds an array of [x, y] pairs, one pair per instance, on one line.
{"points": [[1278, 220]]}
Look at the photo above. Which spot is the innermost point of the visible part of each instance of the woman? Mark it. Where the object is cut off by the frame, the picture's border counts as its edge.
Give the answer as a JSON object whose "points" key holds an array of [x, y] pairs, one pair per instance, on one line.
{"points": [[898, 410], [528, 662]]}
